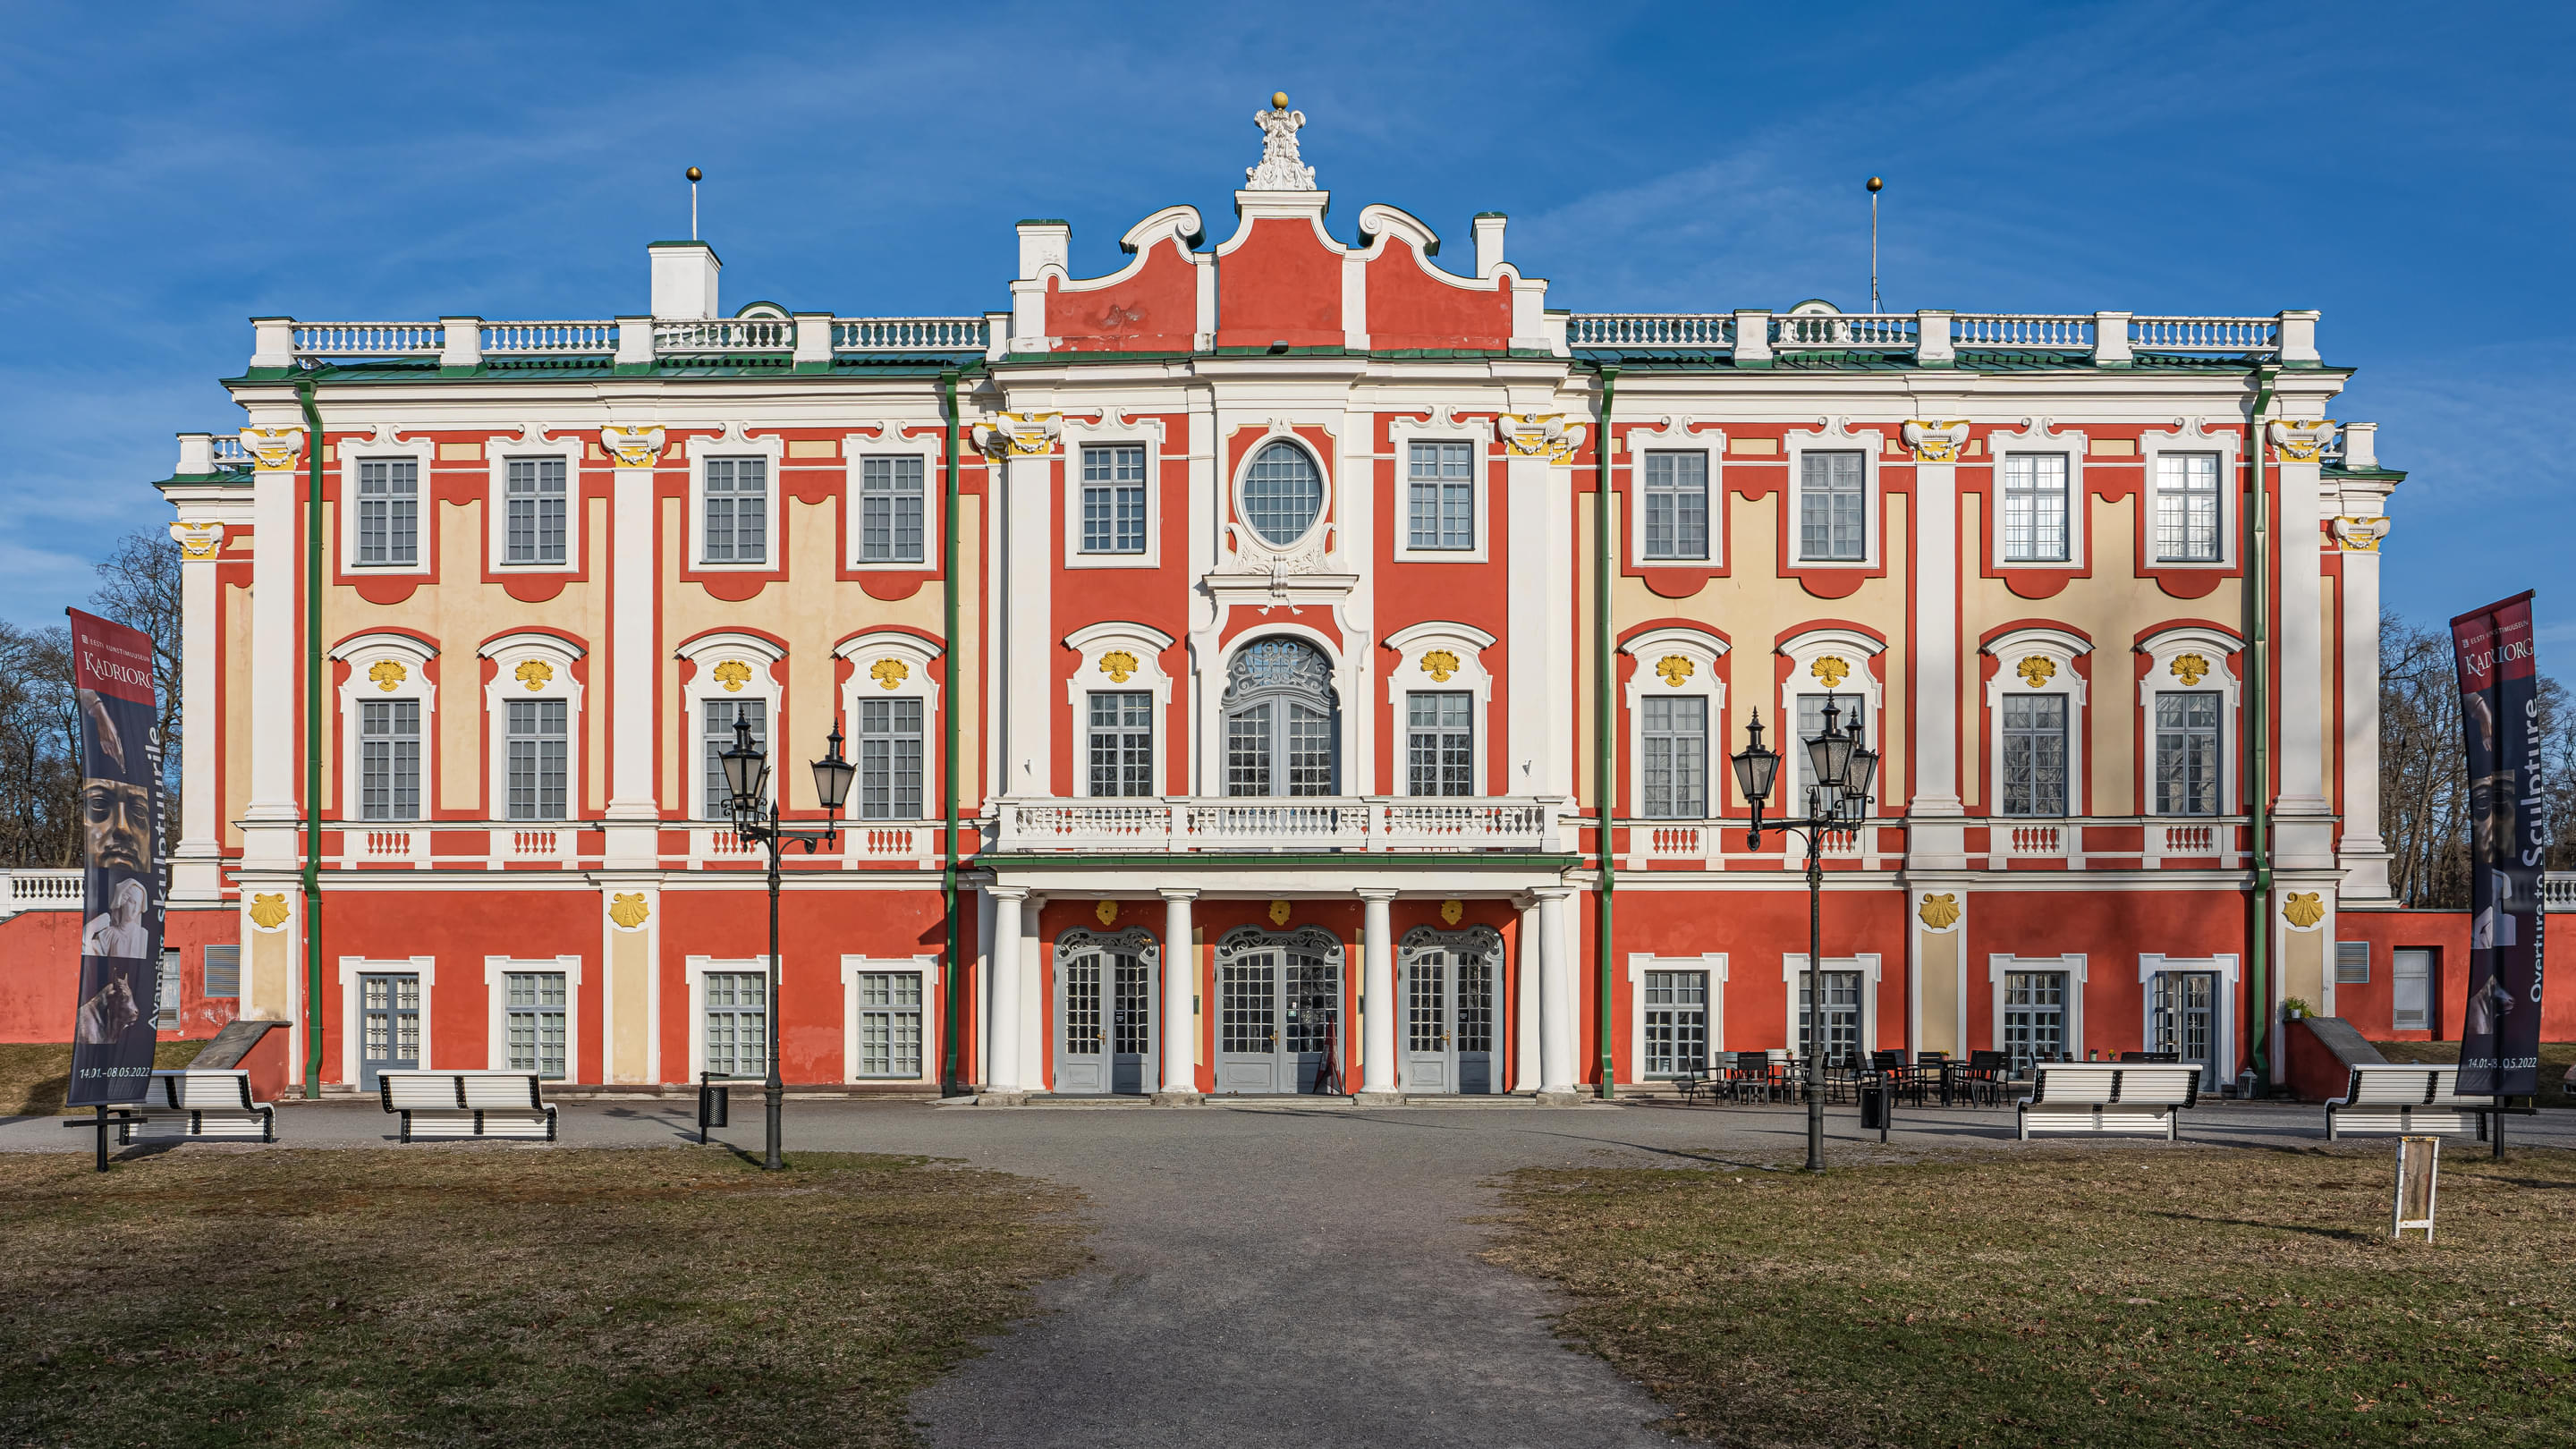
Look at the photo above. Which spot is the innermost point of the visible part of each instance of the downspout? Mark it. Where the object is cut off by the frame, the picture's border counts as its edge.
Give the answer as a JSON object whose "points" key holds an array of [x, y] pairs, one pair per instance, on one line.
{"points": [[949, 988], [1605, 772], [312, 736], [2258, 596]]}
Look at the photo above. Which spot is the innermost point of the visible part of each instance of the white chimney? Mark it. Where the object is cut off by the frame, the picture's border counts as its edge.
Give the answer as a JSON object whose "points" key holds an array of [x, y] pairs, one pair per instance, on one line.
{"points": [[684, 279], [1489, 242]]}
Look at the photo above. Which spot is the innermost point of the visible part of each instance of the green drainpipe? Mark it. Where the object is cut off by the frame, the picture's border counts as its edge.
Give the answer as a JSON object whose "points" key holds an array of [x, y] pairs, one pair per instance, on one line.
{"points": [[2258, 597], [312, 737], [1605, 752], [948, 757]]}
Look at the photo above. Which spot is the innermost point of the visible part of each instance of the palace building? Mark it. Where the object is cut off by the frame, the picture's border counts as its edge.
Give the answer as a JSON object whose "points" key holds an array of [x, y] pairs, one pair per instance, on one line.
{"points": [[1329, 649]]}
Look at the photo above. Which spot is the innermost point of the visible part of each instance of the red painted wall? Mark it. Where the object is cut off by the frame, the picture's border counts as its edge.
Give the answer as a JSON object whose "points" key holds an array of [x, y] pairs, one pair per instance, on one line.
{"points": [[1281, 285], [40, 973]]}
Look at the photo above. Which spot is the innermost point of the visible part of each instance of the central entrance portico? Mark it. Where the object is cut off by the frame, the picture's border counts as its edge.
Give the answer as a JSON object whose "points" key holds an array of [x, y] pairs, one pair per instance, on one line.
{"points": [[1279, 1008]]}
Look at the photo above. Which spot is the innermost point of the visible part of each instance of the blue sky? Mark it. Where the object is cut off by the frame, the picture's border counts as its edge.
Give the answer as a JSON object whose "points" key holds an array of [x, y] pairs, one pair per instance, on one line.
{"points": [[175, 170]]}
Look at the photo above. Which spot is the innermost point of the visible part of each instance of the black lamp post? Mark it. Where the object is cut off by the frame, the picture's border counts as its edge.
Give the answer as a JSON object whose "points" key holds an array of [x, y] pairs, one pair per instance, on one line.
{"points": [[755, 820], [1836, 805]]}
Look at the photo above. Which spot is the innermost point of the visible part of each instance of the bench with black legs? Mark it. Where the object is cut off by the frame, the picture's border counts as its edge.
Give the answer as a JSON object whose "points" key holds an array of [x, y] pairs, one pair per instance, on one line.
{"points": [[2096, 1099], [467, 1104], [2399, 1099], [196, 1103]]}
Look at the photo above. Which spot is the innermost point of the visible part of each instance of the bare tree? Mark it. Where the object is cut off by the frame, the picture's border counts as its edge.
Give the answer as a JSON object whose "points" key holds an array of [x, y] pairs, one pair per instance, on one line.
{"points": [[139, 587], [39, 749], [2423, 784]]}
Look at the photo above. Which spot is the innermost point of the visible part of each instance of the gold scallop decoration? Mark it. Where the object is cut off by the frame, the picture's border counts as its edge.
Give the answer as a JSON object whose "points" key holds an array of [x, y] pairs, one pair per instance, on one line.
{"points": [[1118, 664], [888, 673], [387, 674], [534, 673], [1106, 912], [268, 911], [1939, 912], [1440, 664], [628, 910], [2189, 668], [1452, 912], [1278, 913], [2037, 669], [2304, 909], [1830, 669], [1675, 669], [733, 674]]}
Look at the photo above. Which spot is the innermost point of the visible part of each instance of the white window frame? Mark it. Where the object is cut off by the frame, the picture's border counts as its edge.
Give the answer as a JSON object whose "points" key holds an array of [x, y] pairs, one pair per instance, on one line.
{"points": [[917, 439], [1113, 431], [1837, 436], [852, 968], [508, 653], [693, 972], [2223, 966], [386, 444], [1411, 644], [706, 652], [1802, 651], [1352, 762], [1711, 962], [2072, 964], [2432, 988], [915, 655], [1793, 967], [733, 444], [1093, 643], [500, 452], [496, 1034], [2193, 436], [1443, 426], [2038, 438], [2060, 649], [353, 967], [1701, 650], [362, 654], [1675, 434], [1249, 540], [2162, 648]]}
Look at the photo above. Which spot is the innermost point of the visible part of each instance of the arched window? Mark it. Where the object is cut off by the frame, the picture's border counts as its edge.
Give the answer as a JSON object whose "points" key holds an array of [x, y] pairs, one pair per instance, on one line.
{"points": [[1282, 721], [1282, 494]]}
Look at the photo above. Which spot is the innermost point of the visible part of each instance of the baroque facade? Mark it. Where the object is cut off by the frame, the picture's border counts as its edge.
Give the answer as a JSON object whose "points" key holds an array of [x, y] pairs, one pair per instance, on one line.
{"points": [[1330, 659]]}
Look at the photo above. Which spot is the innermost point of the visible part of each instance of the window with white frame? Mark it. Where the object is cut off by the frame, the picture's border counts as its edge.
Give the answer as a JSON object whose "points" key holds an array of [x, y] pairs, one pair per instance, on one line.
{"points": [[2352, 963], [889, 759], [1811, 723], [165, 1003], [737, 1023], [1673, 740], [2187, 746], [388, 512], [2410, 989], [1283, 494], [1833, 507], [716, 717], [2035, 508], [389, 759], [2187, 519], [1119, 735], [736, 524], [1440, 507], [2034, 753], [1677, 505], [222, 967], [2034, 1020], [890, 509], [1440, 742], [1113, 498], [533, 505], [1675, 1009], [538, 742], [533, 1022], [1840, 1014], [889, 1024]]}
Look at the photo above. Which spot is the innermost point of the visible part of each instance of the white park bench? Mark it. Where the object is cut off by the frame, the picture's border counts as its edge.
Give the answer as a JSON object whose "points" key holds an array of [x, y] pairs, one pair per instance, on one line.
{"points": [[467, 1104], [197, 1103], [2397, 1099], [2102, 1099]]}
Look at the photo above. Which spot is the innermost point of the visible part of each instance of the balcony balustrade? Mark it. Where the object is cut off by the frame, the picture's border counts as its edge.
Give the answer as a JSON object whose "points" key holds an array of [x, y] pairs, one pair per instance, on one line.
{"points": [[1301, 824]]}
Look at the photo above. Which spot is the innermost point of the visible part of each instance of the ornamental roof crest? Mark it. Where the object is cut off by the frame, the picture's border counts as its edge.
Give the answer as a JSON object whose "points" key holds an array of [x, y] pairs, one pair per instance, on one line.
{"points": [[1280, 168]]}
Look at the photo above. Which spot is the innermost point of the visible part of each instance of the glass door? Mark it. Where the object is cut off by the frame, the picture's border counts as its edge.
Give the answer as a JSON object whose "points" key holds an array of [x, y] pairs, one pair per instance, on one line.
{"points": [[2182, 1018], [388, 1025]]}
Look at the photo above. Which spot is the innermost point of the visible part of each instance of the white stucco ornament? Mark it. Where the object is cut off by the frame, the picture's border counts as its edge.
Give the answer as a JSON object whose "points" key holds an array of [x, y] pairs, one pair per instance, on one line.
{"points": [[1280, 168]]}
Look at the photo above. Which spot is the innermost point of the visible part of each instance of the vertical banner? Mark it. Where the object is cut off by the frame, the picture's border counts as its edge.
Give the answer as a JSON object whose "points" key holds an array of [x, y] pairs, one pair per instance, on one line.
{"points": [[2508, 842], [120, 793]]}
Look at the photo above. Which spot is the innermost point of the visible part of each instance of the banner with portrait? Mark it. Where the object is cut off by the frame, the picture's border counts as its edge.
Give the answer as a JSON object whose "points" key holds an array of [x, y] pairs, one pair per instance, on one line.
{"points": [[2508, 846], [124, 888]]}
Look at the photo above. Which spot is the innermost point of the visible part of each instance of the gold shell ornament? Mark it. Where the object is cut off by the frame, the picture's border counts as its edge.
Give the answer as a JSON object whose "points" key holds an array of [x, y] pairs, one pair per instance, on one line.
{"points": [[628, 910], [1939, 912]]}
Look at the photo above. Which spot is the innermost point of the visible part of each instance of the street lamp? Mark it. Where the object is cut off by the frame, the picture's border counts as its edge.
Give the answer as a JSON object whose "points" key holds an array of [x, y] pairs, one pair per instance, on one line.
{"points": [[1837, 803], [755, 821]]}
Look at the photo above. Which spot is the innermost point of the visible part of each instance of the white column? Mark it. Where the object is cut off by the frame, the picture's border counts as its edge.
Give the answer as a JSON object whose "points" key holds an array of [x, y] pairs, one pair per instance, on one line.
{"points": [[1028, 642], [1934, 709], [1529, 1006], [633, 834], [1538, 611], [1180, 980], [2305, 839], [1556, 983], [195, 867], [2365, 854], [276, 727], [1002, 1053], [1377, 988], [1036, 1012]]}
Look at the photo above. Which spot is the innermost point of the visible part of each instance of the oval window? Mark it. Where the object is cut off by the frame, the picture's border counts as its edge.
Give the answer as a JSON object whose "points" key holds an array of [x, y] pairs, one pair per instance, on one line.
{"points": [[1283, 494]]}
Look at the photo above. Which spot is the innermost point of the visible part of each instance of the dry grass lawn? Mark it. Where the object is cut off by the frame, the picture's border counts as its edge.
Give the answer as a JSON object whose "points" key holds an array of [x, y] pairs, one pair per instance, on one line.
{"points": [[494, 1295], [34, 1077], [2104, 1296]]}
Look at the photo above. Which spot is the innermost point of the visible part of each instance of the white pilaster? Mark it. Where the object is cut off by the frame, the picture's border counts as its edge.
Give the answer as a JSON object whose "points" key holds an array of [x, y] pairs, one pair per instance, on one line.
{"points": [[633, 840], [196, 865], [268, 817], [1028, 624], [1180, 980], [1377, 987], [2365, 854], [1934, 709], [1556, 983], [2305, 839], [1002, 1053], [1540, 616]]}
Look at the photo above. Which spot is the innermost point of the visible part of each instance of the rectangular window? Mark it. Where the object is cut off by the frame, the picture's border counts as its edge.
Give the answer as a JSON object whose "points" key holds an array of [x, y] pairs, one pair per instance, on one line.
{"points": [[890, 1023], [737, 1023], [1833, 502], [1121, 730], [533, 1020], [2187, 753], [1439, 743], [2034, 728], [2410, 989], [889, 759], [2035, 508], [1676, 1022], [1441, 506], [537, 743], [223, 971], [389, 759], [717, 717], [2352, 963], [2187, 527], [165, 1004], [737, 503], [2034, 1026], [890, 504], [1841, 1015], [1673, 733], [1811, 723], [389, 511], [1113, 499], [1677, 505], [534, 514]]}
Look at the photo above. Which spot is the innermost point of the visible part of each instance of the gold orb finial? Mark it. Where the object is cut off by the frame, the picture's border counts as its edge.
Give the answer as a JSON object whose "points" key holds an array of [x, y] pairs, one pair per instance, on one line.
{"points": [[696, 175], [1278, 100], [1875, 183]]}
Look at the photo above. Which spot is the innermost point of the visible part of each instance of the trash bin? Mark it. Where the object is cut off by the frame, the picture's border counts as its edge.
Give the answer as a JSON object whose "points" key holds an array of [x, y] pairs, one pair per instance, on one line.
{"points": [[715, 1103], [1876, 1102]]}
